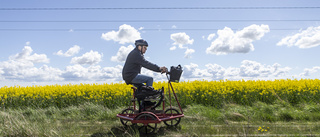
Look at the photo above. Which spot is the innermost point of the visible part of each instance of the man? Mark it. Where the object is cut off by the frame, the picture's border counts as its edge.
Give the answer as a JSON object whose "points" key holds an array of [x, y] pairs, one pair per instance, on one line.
{"points": [[132, 69], [135, 60]]}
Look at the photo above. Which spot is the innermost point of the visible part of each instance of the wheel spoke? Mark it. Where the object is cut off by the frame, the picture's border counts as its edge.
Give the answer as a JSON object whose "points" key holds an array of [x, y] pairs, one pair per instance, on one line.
{"points": [[151, 127], [127, 113], [172, 112]]}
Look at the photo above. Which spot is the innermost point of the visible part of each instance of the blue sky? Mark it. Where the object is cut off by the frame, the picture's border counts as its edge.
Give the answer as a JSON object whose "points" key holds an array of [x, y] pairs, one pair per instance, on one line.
{"points": [[39, 47]]}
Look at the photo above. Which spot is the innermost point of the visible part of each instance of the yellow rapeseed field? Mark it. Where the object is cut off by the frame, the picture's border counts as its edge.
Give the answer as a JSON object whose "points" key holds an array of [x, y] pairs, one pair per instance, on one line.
{"points": [[213, 93]]}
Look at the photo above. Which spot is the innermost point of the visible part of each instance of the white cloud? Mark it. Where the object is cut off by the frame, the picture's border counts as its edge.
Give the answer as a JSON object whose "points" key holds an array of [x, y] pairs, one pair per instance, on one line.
{"points": [[1, 77], [304, 39], [21, 67], [216, 71], [174, 26], [13, 69], [90, 58], [26, 55], [125, 34], [236, 42], [247, 70], [72, 51], [122, 53], [256, 69], [113, 72], [48, 73], [192, 71], [210, 37], [278, 71], [173, 48], [188, 53], [16, 70], [232, 73], [78, 72], [181, 39], [308, 71], [91, 73]]}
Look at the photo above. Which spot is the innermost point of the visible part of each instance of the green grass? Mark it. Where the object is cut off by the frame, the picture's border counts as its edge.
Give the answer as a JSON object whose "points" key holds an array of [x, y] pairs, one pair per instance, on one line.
{"points": [[231, 120]]}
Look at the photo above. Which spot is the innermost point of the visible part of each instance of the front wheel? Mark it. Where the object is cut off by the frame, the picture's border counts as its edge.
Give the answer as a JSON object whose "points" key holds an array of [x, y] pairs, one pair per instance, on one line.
{"points": [[172, 122]]}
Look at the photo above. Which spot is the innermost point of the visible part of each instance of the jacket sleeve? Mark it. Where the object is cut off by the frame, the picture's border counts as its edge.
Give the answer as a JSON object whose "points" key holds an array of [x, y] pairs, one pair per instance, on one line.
{"points": [[147, 64]]}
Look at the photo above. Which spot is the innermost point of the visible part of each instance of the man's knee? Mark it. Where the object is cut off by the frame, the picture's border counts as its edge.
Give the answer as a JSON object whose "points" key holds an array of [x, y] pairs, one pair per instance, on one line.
{"points": [[149, 81], [151, 78]]}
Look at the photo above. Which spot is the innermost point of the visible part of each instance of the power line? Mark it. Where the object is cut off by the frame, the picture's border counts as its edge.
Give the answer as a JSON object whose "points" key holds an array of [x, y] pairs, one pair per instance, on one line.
{"points": [[74, 30], [104, 21], [167, 8]]}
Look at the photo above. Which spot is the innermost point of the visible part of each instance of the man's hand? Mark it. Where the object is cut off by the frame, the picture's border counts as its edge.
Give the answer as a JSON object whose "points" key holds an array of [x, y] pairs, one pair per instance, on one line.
{"points": [[163, 69]]}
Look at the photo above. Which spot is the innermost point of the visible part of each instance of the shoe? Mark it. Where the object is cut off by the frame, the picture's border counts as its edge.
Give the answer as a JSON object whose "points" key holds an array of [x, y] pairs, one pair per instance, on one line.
{"points": [[147, 93], [149, 88], [144, 93], [146, 88]]}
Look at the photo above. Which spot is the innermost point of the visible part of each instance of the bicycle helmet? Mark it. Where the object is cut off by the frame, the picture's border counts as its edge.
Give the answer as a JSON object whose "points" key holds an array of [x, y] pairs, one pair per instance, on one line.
{"points": [[141, 42]]}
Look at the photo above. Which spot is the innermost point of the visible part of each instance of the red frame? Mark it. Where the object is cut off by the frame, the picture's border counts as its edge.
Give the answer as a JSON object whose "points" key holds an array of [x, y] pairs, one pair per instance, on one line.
{"points": [[159, 116]]}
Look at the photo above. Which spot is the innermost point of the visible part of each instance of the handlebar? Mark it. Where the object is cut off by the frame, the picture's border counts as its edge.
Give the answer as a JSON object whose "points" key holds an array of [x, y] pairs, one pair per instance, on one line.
{"points": [[164, 71]]}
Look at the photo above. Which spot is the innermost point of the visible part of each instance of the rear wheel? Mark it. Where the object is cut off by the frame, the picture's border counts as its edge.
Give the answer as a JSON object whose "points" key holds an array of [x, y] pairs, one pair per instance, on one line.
{"points": [[127, 112], [146, 128], [172, 112]]}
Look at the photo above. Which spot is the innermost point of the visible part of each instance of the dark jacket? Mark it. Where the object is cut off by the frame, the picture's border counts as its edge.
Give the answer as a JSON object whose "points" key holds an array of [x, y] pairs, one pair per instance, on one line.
{"points": [[132, 67]]}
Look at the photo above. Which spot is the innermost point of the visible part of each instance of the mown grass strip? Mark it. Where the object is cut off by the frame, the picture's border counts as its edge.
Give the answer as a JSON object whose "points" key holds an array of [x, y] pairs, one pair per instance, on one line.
{"points": [[92, 119]]}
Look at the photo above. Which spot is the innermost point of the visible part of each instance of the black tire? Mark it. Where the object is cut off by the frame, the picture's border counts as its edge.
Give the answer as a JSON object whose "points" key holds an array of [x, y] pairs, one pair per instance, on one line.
{"points": [[173, 122], [150, 127], [127, 112]]}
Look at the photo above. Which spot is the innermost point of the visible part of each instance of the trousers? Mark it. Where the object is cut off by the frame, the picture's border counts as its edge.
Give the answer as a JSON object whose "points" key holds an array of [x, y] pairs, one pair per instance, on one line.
{"points": [[142, 79]]}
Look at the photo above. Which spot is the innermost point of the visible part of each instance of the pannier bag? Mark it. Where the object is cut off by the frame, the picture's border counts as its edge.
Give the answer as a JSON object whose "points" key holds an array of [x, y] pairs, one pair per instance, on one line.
{"points": [[175, 73]]}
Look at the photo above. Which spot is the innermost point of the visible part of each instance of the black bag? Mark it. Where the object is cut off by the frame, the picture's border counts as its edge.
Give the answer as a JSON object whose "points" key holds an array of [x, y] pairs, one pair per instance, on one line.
{"points": [[175, 73]]}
